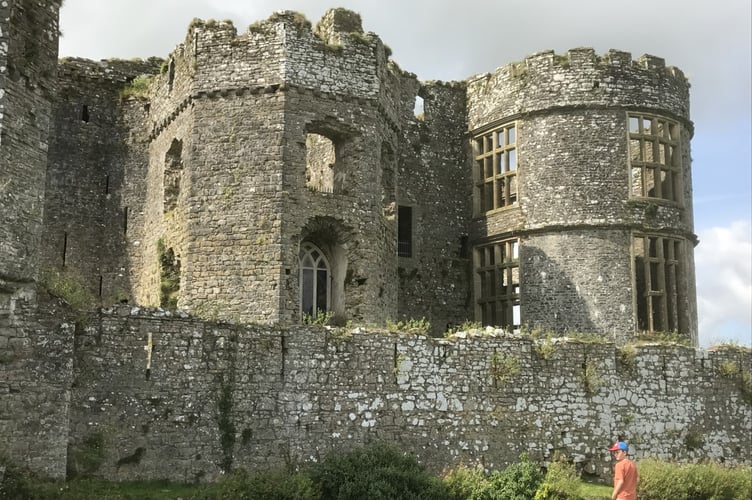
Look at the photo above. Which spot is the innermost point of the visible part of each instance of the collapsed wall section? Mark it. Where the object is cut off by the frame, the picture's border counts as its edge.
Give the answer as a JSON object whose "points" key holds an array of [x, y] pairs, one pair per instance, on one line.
{"points": [[185, 400]]}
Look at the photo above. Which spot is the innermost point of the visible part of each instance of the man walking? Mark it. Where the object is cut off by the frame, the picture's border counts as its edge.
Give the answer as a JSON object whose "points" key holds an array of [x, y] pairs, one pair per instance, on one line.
{"points": [[625, 473]]}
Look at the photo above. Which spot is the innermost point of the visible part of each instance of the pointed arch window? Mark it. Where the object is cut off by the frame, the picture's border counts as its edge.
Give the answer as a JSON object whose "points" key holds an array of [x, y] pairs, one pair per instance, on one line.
{"points": [[315, 289]]}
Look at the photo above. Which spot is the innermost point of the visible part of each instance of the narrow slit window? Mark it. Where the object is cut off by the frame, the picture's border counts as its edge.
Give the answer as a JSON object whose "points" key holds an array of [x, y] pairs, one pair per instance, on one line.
{"points": [[85, 113], [405, 231]]}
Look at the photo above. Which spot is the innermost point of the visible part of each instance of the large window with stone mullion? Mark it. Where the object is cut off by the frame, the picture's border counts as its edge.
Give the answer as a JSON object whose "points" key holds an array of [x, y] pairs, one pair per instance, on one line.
{"points": [[658, 275], [654, 157], [496, 168], [497, 284]]}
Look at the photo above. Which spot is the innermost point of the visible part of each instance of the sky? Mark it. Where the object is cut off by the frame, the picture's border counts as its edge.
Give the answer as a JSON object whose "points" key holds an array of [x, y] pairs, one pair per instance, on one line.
{"points": [[711, 42]]}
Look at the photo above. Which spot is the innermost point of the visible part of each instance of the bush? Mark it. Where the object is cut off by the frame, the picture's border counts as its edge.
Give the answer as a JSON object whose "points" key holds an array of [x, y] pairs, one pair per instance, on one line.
{"points": [[13, 483], [277, 485], [465, 483], [519, 481], [659, 480], [378, 472], [560, 483]]}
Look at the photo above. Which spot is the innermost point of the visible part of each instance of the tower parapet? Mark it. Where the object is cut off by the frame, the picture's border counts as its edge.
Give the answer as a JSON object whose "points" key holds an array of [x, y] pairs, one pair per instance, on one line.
{"points": [[578, 79]]}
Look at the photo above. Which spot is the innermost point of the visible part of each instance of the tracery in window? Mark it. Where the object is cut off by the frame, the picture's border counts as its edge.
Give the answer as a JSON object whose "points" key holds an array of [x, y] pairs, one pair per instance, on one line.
{"points": [[315, 289]]}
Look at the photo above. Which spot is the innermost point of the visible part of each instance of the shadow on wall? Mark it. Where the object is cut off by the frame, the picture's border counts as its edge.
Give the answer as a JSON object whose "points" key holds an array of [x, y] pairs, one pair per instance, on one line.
{"points": [[550, 300]]}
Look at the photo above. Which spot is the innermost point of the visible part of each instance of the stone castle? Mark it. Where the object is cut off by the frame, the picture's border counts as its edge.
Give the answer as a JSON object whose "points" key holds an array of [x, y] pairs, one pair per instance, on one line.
{"points": [[252, 182]]}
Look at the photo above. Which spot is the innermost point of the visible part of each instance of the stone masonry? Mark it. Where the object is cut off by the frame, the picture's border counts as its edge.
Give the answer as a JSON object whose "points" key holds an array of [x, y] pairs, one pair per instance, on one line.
{"points": [[215, 200]]}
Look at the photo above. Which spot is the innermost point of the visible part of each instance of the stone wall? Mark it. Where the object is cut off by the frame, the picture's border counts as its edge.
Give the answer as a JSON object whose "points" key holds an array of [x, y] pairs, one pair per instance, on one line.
{"points": [[95, 181], [28, 56], [219, 396]]}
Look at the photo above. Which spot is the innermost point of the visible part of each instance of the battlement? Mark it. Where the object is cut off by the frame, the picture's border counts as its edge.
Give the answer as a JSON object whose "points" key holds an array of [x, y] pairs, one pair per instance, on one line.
{"points": [[576, 79], [585, 59]]}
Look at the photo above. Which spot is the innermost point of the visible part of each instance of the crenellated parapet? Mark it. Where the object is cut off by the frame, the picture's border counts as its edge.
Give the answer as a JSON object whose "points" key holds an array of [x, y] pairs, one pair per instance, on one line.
{"points": [[580, 78]]}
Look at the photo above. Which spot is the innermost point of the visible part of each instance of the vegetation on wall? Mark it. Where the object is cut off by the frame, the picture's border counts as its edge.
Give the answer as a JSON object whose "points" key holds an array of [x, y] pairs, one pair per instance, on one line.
{"points": [[502, 368], [741, 378], [69, 287], [138, 88]]}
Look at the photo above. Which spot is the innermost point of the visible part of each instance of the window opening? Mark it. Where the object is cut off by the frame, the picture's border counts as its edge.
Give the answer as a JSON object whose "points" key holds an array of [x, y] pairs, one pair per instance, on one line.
{"points": [[65, 247], [658, 284], [125, 220], [173, 170], [321, 163], [170, 74], [169, 285], [106, 184], [654, 157], [497, 271], [496, 168], [315, 290], [405, 231], [85, 113], [419, 109]]}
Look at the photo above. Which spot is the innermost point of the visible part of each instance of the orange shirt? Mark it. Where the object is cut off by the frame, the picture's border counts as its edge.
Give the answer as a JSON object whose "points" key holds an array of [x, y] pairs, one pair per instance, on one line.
{"points": [[626, 470]]}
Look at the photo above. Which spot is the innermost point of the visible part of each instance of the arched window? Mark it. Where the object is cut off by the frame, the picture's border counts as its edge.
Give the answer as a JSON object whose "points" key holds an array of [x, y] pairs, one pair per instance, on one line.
{"points": [[315, 290]]}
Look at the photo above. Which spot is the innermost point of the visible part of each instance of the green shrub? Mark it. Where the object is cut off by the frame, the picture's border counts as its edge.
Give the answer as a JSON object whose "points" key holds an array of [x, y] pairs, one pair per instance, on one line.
{"points": [[465, 483], [275, 484], [560, 483], [378, 472], [518, 481], [660, 480], [13, 483]]}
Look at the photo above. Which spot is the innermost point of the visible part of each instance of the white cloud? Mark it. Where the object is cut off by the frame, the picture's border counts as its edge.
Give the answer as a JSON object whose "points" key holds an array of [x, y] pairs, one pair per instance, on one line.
{"points": [[723, 261]]}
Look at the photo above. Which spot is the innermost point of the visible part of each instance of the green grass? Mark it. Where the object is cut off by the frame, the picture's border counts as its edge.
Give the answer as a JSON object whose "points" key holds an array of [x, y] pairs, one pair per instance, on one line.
{"points": [[82, 489], [592, 491]]}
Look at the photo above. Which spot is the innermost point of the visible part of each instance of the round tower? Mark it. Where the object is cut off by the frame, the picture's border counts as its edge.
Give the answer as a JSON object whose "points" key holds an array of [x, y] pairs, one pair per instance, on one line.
{"points": [[583, 197]]}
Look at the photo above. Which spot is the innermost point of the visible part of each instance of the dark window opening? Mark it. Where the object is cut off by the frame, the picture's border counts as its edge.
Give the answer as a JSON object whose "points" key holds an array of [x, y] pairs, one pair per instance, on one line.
{"points": [[101, 283], [106, 184], [405, 231], [65, 247], [125, 220], [85, 113]]}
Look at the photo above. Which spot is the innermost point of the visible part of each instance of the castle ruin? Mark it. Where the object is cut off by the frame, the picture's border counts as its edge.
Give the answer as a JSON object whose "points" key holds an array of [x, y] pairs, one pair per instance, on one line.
{"points": [[271, 177]]}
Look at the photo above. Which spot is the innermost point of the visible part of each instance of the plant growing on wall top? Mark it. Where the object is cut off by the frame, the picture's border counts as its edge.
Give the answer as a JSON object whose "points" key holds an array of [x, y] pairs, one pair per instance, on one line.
{"points": [[138, 88], [414, 326]]}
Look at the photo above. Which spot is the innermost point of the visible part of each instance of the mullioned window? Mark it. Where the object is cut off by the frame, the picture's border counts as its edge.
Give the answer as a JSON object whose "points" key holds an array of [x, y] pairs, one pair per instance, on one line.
{"points": [[497, 284], [654, 157], [496, 168]]}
